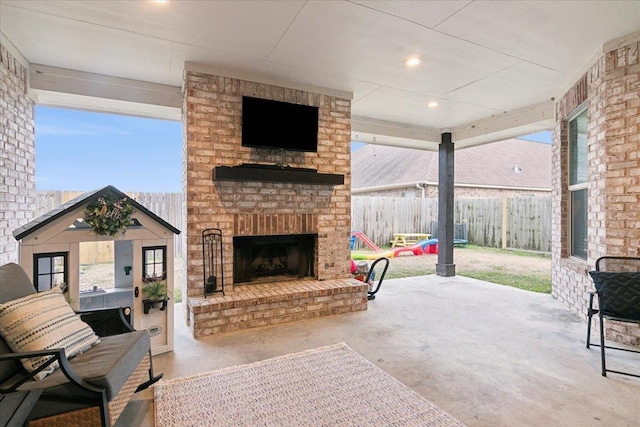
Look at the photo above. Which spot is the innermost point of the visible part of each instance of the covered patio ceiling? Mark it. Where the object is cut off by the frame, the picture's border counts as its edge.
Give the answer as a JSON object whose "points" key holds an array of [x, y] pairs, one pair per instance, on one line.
{"points": [[493, 67]]}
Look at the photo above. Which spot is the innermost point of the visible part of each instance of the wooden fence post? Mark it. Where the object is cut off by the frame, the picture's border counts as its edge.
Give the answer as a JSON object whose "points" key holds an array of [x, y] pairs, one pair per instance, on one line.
{"points": [[504, 222]]}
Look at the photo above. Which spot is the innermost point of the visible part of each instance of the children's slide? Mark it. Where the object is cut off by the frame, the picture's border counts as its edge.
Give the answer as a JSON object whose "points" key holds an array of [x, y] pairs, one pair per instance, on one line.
{"points": [[364, 239]]}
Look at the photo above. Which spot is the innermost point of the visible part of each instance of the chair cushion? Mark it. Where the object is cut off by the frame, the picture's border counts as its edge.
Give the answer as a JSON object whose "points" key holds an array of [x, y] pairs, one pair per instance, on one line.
{"points": [[107, 365], [14, 283], [44, 321], [618, 294]]}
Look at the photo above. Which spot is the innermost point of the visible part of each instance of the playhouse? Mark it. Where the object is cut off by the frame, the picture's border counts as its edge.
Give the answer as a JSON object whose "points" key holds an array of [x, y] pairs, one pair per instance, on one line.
{"points": [[143, 255]]}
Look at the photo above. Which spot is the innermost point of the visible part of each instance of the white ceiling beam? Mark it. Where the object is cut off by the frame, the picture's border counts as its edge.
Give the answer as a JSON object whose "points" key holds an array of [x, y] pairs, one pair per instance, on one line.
{"points": [[510, 124], [365, 129], [104, 105], [52, 83], [64, 80], [390, 141]]}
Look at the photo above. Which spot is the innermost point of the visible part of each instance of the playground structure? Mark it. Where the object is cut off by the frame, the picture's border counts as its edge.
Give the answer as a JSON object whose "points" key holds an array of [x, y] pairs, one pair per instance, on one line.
{"points": [[422, 247]]}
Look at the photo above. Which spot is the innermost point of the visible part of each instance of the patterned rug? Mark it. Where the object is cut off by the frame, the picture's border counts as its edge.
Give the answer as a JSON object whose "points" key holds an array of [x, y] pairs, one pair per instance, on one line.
{"points": [[327, 386]]}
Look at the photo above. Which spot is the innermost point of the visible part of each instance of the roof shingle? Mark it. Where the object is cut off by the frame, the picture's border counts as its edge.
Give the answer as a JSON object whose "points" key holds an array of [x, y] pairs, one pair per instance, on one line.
{"points": [[489, 164]]}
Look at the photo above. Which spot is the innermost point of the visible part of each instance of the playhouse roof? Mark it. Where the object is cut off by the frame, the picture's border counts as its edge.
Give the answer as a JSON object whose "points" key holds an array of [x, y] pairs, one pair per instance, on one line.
{"points": [[84, 199]]}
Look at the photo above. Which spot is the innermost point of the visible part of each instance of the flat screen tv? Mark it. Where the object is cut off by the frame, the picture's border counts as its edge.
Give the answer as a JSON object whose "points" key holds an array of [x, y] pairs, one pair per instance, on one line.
{"points": [[279, 125]]}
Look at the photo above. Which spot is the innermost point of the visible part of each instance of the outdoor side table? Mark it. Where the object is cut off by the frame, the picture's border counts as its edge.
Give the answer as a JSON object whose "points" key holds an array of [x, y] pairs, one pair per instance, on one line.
{"points": [[16, 407]]}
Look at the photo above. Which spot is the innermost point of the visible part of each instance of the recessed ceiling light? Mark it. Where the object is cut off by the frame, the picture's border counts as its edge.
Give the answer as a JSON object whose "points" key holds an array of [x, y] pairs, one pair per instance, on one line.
{"points": [[432, 104], [412, 62]]}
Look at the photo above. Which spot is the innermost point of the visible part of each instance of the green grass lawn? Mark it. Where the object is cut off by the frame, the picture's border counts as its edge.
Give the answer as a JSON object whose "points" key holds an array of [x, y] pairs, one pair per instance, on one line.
{"points": [[528, 282], [519, 269]]}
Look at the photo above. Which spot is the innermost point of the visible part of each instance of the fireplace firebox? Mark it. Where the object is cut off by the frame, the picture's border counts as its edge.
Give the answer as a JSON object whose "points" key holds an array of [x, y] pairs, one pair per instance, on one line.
{"points": [[272, 258]]}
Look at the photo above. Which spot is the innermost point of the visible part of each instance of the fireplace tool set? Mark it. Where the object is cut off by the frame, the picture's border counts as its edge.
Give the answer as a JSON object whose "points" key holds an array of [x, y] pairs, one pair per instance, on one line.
{"points": [[213, 274]]}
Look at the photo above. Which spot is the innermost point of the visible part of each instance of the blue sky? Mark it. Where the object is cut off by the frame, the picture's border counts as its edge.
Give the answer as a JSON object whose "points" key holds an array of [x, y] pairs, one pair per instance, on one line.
{"points": [[84, 151], [79, 150], [544, 136]]}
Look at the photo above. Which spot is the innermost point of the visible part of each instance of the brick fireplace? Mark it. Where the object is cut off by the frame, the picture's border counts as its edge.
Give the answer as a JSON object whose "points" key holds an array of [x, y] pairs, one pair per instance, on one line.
{"points": [[266, 211]]}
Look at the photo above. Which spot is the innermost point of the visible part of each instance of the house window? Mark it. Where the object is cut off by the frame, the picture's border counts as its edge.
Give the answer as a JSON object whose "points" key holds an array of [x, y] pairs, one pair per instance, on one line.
{"points": [[578, 184], [50, 270], [155, 262]]}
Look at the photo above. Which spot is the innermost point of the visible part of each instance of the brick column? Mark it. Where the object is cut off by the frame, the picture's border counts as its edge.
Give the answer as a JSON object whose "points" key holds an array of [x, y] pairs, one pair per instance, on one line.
{"points": [[17, 154]]}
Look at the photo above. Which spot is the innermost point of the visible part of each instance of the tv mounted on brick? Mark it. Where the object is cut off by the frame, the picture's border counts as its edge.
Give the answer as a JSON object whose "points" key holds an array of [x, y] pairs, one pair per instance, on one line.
{"points": [[277, 125]]}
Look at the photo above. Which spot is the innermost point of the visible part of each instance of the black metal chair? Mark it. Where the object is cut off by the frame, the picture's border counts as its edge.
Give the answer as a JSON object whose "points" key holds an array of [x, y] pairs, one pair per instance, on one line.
{"points": [[617, 282], [375, 276]]}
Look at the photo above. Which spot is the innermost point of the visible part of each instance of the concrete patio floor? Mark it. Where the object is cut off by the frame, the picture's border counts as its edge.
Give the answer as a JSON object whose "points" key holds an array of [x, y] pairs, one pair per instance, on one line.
{"points": [[489, 355]]}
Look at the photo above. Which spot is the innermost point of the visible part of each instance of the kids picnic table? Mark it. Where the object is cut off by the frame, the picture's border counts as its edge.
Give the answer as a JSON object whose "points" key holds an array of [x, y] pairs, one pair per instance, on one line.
{"points": [[408, 239]]}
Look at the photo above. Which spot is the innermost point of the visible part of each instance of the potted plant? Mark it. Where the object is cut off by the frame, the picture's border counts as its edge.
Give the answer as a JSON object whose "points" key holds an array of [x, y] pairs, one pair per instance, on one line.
{"points": [[155, 292]]}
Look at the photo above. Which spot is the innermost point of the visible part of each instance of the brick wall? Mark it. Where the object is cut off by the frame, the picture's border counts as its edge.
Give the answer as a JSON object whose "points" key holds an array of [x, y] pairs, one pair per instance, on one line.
{"points": [[611, 91], [17, 154], [213, 138]]}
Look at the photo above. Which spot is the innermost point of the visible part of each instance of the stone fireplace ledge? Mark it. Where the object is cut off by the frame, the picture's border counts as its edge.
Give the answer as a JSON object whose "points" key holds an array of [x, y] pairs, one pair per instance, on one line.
{"points": [[251, 306]]}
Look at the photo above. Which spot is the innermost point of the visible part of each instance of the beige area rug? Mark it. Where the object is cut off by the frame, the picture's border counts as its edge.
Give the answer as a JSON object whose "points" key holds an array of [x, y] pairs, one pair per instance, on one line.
{"points": [[328, 386]]}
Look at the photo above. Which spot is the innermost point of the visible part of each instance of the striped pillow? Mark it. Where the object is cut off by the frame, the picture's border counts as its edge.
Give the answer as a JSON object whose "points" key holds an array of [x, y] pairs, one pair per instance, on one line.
{"points": [[44, 321]]}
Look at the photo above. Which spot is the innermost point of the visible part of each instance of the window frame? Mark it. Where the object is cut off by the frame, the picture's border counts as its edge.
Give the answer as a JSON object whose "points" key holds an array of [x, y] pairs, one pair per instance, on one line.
{"points": [[51, 255], [145, 263], [577, 187]]}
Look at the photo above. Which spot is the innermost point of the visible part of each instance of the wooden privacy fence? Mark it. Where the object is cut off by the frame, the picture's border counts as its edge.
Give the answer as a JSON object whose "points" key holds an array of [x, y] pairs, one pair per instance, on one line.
{"points": [[514, 222], [380, 217], [167, 206]]}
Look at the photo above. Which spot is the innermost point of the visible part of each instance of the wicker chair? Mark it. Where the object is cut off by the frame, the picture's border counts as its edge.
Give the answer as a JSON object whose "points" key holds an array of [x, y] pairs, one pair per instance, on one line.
{"points": [[617, 282]]}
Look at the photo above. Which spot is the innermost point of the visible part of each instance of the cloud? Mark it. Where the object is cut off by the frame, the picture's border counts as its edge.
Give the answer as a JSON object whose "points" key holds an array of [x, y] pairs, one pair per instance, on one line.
{"points": [[78, 130]]}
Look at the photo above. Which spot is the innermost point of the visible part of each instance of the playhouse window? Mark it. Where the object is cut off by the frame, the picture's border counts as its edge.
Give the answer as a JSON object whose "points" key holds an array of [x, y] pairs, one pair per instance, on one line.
{"points": [[50, 270], [155, 262]]}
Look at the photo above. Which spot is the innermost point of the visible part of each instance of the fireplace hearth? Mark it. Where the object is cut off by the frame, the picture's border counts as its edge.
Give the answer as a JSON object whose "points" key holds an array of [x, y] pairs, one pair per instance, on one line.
{"points": [[261, 259]]}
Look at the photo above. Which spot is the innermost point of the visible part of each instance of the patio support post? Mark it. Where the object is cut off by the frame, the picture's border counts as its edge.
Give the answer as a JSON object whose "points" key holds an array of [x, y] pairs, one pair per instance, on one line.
{"points": [[445, 266]]}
